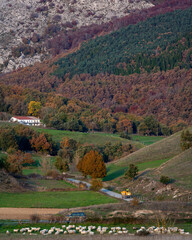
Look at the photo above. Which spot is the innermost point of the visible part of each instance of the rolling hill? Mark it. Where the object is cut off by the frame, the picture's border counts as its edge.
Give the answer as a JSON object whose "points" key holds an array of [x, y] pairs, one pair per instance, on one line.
{"points": [[178, 168], [165, 155]]}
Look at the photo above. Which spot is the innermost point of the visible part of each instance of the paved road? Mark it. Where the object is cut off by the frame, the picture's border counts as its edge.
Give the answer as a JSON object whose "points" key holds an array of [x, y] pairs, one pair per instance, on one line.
{"points": [[104, 190]]}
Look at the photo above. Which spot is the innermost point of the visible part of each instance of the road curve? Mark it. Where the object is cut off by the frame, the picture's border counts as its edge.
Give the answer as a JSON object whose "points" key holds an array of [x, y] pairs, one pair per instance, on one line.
{"points": [[103, 190]]}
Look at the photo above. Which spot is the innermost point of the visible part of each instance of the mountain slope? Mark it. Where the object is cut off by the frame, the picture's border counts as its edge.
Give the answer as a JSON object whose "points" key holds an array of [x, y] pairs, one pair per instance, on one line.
{"points": [[167, 148], [120, 46], [159, 82], [179, 168], [32, 21]]}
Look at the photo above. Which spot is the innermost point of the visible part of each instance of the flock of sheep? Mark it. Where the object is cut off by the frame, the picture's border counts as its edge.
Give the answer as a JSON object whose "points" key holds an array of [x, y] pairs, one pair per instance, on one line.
{"points": [[91, 230]]}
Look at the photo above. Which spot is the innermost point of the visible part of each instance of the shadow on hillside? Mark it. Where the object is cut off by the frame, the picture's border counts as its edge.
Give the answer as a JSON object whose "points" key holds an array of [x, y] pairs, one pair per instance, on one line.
{"points": [[115, 174]]}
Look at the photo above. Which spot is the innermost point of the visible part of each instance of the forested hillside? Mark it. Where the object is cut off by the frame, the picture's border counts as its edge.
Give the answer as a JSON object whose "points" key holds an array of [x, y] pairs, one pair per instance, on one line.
{"points": [[120, 79], [122, 47]]}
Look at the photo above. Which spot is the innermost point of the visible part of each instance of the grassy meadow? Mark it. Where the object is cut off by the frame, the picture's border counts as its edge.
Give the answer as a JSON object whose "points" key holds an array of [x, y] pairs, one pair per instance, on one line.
{"points": [[115, 171], [146, 140], [50, 184], [54, 199], [178, 168], [97, 138]]}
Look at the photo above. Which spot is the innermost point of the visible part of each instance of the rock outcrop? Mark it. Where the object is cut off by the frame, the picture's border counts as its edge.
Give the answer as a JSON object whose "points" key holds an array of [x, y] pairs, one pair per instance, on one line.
{"points": [[20, 19]]}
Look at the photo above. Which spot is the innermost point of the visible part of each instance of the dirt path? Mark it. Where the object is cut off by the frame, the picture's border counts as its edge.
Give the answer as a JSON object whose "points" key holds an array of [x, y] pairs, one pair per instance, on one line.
{"points": [[25, 213]]}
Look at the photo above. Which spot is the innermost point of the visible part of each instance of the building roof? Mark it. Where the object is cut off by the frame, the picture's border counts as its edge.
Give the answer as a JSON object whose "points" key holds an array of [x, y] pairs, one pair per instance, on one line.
{"points": [[25, 118]]}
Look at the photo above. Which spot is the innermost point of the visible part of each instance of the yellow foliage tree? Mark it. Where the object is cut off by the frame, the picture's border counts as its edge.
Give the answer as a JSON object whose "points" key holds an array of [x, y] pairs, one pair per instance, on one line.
{"points": [[34, 108]]}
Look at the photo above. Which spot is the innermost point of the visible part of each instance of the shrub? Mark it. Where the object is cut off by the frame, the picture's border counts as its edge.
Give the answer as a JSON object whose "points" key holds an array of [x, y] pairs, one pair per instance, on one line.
{"points": [[61, 165], [135, 202], [96, 184], [186, 140], [125, 135], [3, 162], [132, 171], [165, 180], [35, 218], [57, 18], [33, 16], [53, 173]]}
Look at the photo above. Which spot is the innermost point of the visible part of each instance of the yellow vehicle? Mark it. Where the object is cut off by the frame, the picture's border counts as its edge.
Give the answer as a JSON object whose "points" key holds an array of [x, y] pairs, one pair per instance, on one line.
{"points": [[126, 194]]}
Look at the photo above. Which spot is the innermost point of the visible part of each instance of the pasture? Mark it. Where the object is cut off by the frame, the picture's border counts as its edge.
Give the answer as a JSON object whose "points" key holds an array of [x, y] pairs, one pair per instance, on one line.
{"points": [[115, 171], [146, 140], [97, 138], [54, 199], [52, 184]]}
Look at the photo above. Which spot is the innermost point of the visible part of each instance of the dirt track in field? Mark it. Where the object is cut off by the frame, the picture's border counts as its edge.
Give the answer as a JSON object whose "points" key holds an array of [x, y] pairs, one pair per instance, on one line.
{"points": [[25, 213]]}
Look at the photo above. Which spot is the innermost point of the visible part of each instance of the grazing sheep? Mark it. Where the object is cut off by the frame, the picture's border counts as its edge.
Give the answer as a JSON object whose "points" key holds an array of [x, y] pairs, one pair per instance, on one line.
{"points": [[15, 230], [50, 231]]}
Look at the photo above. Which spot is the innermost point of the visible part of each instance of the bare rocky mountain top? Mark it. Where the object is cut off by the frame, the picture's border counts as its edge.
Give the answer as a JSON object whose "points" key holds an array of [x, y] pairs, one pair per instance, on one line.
{"points": [[23, 20]]}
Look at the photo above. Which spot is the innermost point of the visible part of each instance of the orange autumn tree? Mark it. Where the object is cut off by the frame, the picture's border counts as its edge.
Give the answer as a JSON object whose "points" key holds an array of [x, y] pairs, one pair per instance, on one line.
{"points": [[16, 161], [41, 144], [92, 164]]}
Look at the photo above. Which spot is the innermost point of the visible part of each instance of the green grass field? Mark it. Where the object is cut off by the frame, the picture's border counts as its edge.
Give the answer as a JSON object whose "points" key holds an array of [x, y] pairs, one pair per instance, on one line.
{"points": [[115, 171], [54, 199], [37, 166], [146, 140], [49, 184], [97, 138], [28, 171]]}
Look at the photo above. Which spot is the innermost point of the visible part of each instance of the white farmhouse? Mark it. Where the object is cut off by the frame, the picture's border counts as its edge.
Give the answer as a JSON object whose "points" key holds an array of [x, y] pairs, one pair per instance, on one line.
{"points": [[28, 120]]}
